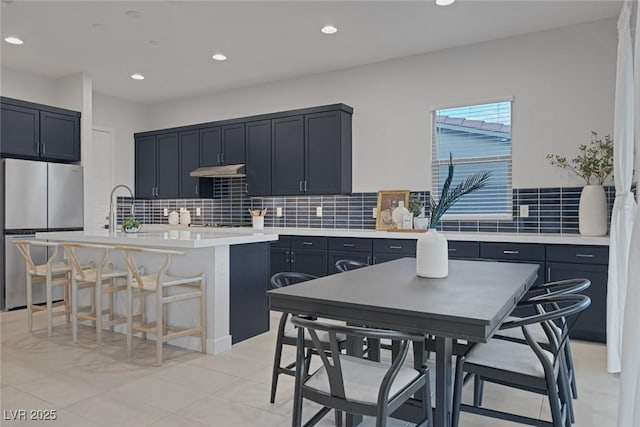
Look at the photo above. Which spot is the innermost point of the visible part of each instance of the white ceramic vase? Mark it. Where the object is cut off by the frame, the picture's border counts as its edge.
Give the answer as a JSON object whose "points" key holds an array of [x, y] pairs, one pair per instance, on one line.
{"points": [[592, 213], [432, 255]]}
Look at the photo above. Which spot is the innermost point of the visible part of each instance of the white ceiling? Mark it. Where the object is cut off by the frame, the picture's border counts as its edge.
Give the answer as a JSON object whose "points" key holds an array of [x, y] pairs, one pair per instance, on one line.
{"points": [[264, 40]]}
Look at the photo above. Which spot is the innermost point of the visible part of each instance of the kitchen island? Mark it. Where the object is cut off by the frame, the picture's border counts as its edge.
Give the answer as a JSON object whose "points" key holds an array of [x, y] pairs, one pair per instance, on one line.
{"points": [[235, 263]]}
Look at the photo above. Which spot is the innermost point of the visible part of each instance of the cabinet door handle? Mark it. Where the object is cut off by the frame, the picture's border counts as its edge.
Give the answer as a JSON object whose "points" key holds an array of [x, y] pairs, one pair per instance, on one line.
{"points": [[157, 192], [348, 245], [453, 250], [218, 157], [395, 247], [246, 187], [286, 258], [510, 252], [368, 260], [300, 186], [37, 147], [585, 255], [197, 189], [374, 260], [548, 274], [221, 157], [305, 185], [293, 257], [44, 148], [307, 243]]}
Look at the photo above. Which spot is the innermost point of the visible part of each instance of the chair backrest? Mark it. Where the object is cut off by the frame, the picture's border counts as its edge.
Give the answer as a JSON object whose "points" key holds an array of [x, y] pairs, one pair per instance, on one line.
{"points": [[344, 265], [286, 278], [70, 251], [24, 247], [132, 267], [550, 308], [331, 361], [561, 287]]}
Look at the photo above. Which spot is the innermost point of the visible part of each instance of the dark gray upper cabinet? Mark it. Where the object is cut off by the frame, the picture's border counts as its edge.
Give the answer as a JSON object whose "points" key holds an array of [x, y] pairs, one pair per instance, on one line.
{"points": [[233, 144], [20, 131], [146, 167], [157, 166], [258, 158], [327, 153], [287, 159], [168, 166], [39, 132], [189, 160], [210, 146]]}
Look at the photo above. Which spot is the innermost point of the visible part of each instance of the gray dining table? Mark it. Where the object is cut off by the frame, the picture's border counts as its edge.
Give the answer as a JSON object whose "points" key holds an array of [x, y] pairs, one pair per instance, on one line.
{"points": [[469, 304]]}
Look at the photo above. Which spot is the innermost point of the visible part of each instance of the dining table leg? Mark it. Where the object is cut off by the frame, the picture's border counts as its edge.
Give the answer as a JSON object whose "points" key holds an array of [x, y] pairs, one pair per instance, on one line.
{"points": [[355, 346], [444, 389]]}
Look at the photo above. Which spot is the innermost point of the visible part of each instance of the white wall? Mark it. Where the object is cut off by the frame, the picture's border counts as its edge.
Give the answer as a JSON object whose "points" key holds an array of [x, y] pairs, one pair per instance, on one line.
{"points": [[26, 86], [124, 118], [562, 81]]}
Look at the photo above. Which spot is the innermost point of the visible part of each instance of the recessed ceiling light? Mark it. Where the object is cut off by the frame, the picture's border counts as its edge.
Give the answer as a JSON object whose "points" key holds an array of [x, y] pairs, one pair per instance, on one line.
{"points": [[219, 57], [444, 2], [13, 40], [99, 27], [154, 42], [329, 29], [134, 14], [137, 76]]}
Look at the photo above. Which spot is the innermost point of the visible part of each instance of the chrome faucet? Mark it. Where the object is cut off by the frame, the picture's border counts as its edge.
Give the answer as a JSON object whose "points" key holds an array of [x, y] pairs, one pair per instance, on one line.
{"points": [[112, 208]]}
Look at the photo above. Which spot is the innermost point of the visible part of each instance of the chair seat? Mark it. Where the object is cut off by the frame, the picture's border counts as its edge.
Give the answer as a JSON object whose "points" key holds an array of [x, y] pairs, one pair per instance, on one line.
{"points": [[536, 330], [291, 332], [149, 281], [362, 379], [508, 356], [107, 273], [56, 267]]}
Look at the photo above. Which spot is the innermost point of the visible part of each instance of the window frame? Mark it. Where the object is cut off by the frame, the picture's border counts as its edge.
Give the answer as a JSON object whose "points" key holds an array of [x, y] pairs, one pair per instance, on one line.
{"points": [[435, 164]]}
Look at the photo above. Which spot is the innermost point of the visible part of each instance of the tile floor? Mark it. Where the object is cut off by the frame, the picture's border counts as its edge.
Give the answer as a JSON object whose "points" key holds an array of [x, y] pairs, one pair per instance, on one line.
{"points": [[92, 388]]}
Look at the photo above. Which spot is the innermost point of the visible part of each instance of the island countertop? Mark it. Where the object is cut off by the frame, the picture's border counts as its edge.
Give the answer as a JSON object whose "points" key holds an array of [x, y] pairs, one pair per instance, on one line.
{"points": [[167, 238]]}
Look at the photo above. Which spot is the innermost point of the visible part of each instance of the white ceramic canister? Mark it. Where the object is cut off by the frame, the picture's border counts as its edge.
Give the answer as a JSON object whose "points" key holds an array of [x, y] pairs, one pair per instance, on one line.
{"points": [[174, 218], [185, 217], [432, 255]]}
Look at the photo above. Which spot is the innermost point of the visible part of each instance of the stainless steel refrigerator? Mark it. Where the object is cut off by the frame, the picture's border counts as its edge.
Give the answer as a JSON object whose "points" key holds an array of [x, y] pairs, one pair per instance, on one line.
{"points": [[36, 196]]}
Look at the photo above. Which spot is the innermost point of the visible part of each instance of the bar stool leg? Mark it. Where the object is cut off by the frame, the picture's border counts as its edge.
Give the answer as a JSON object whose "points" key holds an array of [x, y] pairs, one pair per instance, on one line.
{"points": [[160, 307], [203, 319], [129, 316], [143, 312], [112, 304], [49, 304], [29, 302], [67, 300], [74, 308], [98, 308]]}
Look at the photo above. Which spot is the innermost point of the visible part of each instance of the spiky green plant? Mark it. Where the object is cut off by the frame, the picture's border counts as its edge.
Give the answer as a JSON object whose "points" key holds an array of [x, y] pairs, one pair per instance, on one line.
{"points": [[449, 196]]}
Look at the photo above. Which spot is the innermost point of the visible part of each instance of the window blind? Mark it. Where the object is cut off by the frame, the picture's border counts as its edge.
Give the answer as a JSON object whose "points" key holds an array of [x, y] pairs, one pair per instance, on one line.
{"points": [[478, 137]]}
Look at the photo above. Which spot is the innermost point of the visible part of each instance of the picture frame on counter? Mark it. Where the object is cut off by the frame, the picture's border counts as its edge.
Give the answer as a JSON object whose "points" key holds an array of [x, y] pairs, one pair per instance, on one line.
{"points": [[388, 200]]}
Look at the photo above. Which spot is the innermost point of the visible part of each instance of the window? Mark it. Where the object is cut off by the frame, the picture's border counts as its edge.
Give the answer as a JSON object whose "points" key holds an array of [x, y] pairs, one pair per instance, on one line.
{"points": [[479, 139]]}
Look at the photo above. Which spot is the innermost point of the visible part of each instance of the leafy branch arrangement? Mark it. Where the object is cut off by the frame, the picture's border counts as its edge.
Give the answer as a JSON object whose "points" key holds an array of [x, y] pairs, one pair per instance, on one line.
{"points": [[416, 205], [449, 196], [594, 162]]}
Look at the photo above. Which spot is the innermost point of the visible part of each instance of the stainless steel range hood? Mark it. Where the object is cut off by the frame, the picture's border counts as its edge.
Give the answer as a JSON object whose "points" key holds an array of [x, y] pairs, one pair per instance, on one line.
{"points": [[228, 171]]}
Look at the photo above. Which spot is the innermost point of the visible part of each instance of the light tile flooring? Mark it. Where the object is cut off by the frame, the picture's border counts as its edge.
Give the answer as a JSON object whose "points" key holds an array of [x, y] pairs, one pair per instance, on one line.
{"points": [[91, 388]]}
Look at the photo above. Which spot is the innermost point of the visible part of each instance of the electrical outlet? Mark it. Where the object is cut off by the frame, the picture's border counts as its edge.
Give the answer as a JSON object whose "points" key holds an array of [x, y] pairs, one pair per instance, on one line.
{"points": [[165, 212], [374, 212], [198, 212], [524, 211], [278, 212], [319, 211]]}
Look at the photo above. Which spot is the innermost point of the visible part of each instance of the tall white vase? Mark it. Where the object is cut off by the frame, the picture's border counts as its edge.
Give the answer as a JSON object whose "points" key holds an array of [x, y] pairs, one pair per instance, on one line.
{"points": [[432, 255], [592, 213]]}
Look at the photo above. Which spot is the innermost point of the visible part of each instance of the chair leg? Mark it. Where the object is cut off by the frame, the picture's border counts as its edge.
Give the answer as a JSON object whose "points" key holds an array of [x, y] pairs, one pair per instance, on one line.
{"points": [[457, 392], [277, 358], [129, 318], [565, 393], [570, 368], [203, 318], [426, 401], [160, 320], [338, 418], [98, 309], [67, 299], [49, 304], [307, 362], [296, 419], [112, 304], [29, 302], [74, 308], [478, 390], [554, 403]]}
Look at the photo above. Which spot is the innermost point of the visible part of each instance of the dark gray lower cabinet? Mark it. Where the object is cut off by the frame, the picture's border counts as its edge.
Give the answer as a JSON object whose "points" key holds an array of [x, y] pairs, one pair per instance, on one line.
{"points": [[249, 305], [288, 254], [592, 323]]}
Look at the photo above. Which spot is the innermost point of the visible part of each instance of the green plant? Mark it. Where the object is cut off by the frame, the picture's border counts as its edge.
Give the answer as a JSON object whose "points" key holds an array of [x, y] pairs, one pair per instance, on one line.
{"points": [[416, 205], [594, 162], [449, 196], [130, 223]]}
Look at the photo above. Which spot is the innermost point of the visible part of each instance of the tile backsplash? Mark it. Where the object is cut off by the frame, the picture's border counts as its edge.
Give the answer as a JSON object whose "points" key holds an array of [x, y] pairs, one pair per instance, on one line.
{"points": [[551, 210]]}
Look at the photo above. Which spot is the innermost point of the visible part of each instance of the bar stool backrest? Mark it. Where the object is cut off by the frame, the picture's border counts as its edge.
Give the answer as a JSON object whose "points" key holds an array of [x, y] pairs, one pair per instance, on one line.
{"points": [[344, 265], [70, 252], [132, 267], [286, 278], [24, 247]]}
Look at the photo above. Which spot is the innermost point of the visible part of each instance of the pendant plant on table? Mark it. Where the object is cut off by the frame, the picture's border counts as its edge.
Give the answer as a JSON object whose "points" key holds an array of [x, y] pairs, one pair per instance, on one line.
{"points": [[448, 196]]}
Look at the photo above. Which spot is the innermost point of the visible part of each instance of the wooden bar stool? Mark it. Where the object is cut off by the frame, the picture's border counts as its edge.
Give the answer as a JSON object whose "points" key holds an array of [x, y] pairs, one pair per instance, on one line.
{"points": [[100, 278], [159, 283], [52, 274]]}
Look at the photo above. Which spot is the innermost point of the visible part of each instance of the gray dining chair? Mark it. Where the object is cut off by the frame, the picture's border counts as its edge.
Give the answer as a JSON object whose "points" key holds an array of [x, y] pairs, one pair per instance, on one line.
{"points": [[354, 385], [286, 334], [527, 366]]}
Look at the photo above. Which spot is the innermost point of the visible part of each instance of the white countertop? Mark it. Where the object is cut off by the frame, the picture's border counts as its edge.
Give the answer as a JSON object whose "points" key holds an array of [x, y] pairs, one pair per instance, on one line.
{"points": [[548, 238], [165, 237]]}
